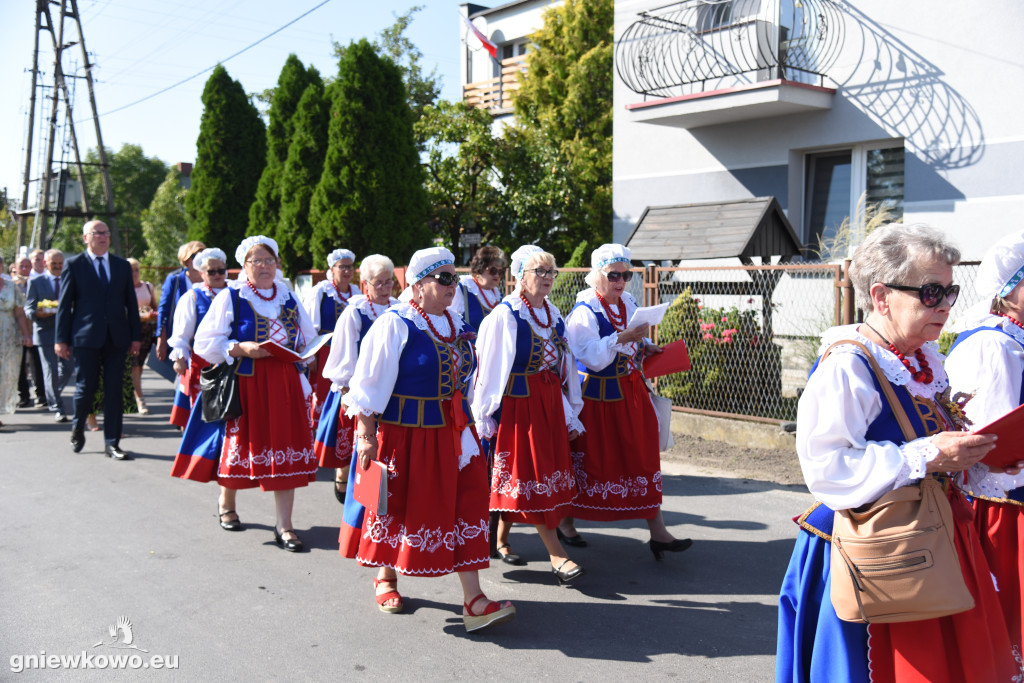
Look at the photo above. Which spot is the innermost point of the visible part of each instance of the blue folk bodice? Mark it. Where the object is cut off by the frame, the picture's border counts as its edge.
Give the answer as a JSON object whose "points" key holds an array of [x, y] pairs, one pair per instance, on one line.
{"points": [[603, 384], [330, 311], [530, 354], [249, 325]]}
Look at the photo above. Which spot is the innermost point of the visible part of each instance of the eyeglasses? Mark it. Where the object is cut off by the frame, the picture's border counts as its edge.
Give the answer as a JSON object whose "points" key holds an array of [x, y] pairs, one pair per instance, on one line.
{"points": [[615, 276], [216, 271], [931, 294], [344, 268], [263, 262], [97, 233], [495, 272], [380, 284], [444, 279], [544, 272]]}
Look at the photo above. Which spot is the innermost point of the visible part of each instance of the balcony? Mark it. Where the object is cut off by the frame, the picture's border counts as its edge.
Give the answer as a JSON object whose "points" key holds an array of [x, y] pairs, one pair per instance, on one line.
{"points": [[699, 62], [496, 94]]}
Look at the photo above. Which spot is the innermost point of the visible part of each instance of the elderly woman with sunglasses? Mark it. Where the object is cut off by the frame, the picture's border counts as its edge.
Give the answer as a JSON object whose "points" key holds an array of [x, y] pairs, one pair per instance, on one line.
{"points": [[324, 304], [270, 445], [334, 434], [852, 451], [987, 363], [480, 291], [409, 394], [528, 378], [618, 460]]}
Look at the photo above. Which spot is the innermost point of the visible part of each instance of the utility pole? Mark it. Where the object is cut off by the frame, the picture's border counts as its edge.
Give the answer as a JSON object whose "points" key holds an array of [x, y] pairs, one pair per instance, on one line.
{"points": [[61, 92]]}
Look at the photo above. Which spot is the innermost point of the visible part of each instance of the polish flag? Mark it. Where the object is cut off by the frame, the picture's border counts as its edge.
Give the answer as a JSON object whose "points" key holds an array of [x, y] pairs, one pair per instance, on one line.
{"points": [[488, 45]]}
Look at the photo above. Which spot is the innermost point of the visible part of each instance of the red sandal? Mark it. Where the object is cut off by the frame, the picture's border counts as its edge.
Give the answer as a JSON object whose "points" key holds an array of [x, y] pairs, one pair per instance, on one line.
{"points": [[390, 595], [494, 613]]}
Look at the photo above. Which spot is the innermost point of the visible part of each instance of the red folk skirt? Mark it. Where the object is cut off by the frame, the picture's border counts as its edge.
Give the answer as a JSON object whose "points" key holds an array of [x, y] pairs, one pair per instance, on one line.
{"points": [[532, 480], [437, 519], [271, 444], [970, 646], [186, 390], [617, 461], [1000, 526]]}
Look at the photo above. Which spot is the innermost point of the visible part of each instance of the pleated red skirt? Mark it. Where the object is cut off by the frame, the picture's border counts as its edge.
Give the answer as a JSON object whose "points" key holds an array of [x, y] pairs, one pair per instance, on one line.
{"points": [[532, 480], [271, 444], [1000, 526], [186, 391], [970, 646], [321, 385], [617, 461], [437, 518]]}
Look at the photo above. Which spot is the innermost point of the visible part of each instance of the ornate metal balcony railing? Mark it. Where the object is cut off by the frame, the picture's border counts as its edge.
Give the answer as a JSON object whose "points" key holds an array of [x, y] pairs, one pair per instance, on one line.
{"points": [[699, 45]]}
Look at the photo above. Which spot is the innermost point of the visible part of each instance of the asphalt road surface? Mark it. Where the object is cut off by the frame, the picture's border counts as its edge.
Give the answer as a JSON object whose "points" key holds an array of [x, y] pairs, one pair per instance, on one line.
{"points": [[87, 540]]}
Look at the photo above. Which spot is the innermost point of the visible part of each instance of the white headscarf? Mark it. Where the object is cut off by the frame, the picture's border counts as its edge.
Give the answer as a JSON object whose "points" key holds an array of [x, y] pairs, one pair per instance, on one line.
{"points": [[339, 254], [521, 256], [426, 261], [200, 259], [250, 242], [607, 254], [1000, 271]]}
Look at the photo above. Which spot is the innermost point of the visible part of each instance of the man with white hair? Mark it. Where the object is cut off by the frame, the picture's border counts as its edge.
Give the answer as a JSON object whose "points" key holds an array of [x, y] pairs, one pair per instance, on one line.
{"points": [[98, 315]]}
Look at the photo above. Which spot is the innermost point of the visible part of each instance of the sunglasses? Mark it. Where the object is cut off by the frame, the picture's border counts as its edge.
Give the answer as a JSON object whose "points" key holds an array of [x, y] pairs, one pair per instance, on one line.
{"points": [[216, 271], [615, 276], [444, 279], [544, 272], [931, 294], [495, 272]]}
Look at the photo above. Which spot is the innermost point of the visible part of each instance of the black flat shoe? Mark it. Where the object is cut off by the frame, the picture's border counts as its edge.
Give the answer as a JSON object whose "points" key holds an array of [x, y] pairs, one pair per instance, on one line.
{"points": [[231, 524], [340, 487], [116, 453], [677, 546], [575, 541], [77, 441], [509, 557], [292, 546], [570, 575]]}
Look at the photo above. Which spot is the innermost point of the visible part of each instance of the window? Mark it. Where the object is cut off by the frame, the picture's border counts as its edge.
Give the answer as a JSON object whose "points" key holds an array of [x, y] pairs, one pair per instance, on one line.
{"points": [[835, 181], [513, 50]]}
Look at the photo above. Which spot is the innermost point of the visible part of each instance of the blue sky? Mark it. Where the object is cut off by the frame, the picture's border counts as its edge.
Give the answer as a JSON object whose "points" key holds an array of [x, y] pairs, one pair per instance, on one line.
{"points": [[142, 46]]}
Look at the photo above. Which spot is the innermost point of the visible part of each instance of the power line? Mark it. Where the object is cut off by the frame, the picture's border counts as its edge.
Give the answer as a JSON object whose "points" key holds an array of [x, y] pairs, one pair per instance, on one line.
{"points": [[211, 68]]}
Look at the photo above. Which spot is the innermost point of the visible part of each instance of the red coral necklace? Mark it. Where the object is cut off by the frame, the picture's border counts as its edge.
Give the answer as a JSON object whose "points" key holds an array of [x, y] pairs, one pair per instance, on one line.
{"points": [[924, 374], [255, 291], [341, 297], [1013, 320], [488, 304], [447, 340], [618, 320], [533, 314]]}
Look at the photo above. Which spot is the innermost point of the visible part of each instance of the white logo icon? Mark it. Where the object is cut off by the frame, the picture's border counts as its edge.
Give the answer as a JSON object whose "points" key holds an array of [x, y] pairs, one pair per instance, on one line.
{"points": [[125, 641]]}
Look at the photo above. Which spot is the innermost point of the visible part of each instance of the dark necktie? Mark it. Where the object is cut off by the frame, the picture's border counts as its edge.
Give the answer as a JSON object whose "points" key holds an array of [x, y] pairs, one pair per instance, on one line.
{"points": [[103, 272], [56, 284]]}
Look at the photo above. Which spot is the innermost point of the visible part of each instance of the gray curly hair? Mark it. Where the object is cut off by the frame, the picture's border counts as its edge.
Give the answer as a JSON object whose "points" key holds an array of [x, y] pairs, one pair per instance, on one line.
{"points": [[891, 252]]}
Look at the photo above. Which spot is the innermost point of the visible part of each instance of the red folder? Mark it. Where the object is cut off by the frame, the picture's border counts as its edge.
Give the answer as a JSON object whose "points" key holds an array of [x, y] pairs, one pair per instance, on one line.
{"points": [[281, 353], [371, 489], [1008, 428], [673, 358]]}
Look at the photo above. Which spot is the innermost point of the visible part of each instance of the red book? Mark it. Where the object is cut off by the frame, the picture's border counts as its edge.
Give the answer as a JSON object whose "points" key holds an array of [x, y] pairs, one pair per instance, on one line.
{"points": [[1008, 428], [673, 358], [371, 489]]}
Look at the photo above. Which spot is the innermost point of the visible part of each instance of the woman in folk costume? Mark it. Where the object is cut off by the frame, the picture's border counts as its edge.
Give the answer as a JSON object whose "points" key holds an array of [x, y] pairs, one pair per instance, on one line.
{"points": [[177, 285], [618, 460], [334, 434], [480, 291], [527, 380], [410, 395], [987, 361], [853, 451], [270, 445], [200, 439], [324, 303]]}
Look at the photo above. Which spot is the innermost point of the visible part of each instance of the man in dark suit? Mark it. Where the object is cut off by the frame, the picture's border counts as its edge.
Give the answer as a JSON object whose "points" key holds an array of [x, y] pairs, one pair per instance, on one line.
{"points": [[98, 316], [56, 371]]}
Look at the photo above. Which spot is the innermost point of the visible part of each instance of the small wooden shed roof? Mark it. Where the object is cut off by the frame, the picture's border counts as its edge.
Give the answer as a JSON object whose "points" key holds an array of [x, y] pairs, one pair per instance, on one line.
{"points": [[743, 228]]}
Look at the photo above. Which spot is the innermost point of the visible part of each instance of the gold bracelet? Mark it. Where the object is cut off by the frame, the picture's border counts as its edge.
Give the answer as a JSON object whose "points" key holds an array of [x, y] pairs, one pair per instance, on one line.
{"points": [[366, 438]]}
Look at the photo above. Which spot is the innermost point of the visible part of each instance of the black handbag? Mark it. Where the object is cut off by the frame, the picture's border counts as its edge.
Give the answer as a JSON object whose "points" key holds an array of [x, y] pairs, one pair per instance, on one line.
{"points": [[218, 389]]}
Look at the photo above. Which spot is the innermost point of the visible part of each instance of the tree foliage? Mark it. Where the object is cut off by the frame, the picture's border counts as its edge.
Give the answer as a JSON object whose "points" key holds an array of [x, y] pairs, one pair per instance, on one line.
{"points": [[370, 196], [299, 178], [564, 104], [231, 154], [291, 84], [164, 224]]}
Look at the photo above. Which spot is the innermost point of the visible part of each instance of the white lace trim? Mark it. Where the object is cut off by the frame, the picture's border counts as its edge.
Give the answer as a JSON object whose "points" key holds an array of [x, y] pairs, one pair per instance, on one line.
{"points": [[575, 424], [327, 288], [474, 289], [916, 456], [524, 313], [981, 481], [440, 321], [267, 309], [486, 427], [434, 571], [372, 310], [1004, 324], [891, 366]]}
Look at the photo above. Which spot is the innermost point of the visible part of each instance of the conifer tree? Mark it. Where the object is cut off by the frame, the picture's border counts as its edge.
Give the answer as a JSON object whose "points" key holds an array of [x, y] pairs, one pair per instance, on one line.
{"points": [[291, 84], [370, 197], [163, 222], [230, 155], [299, 178]]}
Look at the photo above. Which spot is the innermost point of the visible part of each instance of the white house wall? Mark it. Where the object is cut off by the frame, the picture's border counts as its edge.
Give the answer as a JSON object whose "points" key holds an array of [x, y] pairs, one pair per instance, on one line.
{"points": [[502, 25], [941, 76]]}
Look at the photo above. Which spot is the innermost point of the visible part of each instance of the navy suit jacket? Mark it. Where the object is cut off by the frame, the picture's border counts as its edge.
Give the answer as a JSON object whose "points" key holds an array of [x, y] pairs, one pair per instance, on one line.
{"points": [[87, 313], [40, 288]]}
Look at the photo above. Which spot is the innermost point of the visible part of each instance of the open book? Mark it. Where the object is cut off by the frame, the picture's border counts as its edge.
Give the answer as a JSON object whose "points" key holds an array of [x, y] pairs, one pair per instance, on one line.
{"points": [[288, 356]]}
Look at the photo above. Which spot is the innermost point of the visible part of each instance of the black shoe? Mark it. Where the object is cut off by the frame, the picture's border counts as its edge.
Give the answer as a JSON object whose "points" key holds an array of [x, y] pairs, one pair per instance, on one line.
{"points": [[575, 541], [230, 525], [570, 575], [509, 557], [77, 441], [677, 546], [115, 452], [60, 417], [25, 403], [292, 546], [340, 487]]}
